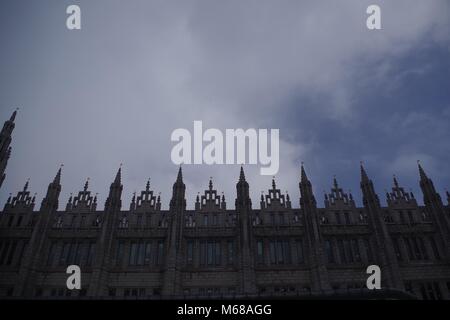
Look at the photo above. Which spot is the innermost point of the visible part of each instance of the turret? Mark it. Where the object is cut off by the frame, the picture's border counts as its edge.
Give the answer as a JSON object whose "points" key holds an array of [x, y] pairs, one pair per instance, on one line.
{"points": [[178, 200], [245, 234], [5, 141], [243, 201], [386, 257], [306, 192], [51, 200], [435, 207], [114, 201], [223, 203], [319, 272]]}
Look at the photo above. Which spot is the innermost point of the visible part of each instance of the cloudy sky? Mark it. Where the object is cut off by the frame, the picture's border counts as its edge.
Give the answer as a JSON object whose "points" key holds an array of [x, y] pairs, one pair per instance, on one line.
{"points": [[114, 91]]}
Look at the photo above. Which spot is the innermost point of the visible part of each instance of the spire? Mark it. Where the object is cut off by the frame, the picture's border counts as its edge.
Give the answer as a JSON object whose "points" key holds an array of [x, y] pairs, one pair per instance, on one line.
{"points": [[304, 178], [118, 178], [364, 177], [395, 181], [307, 198], [335, 183], [114, 202], [25, 188], [274, 185], [210, 183], [370, 197], [158, 202], [178, 200], [5, 149], [242, 174], [180, 176], [86, 185], [242, 181], [223, 204], [243, 200], [147, 187], [13, 116], [288, 201], [422, 173], [51, 199], [133, 202], [57, 179], [262, 202], [435, 206]]}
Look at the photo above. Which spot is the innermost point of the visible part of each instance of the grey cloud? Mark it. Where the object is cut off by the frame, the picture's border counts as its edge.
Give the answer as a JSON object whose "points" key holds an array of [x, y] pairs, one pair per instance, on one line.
{"points": [[114, 92]]}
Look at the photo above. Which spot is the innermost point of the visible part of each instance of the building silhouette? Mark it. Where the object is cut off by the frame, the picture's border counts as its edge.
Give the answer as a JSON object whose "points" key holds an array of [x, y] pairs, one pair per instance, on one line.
{"points": [[212, 251]]}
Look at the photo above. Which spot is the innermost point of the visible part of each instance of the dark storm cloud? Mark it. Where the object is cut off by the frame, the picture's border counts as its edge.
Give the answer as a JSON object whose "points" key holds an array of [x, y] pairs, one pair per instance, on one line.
{"points": [[113, 92]]}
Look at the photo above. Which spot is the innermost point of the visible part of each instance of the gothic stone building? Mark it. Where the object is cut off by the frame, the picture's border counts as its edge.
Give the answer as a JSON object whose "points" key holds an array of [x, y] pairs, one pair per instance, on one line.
{"points": [[213, 251]]}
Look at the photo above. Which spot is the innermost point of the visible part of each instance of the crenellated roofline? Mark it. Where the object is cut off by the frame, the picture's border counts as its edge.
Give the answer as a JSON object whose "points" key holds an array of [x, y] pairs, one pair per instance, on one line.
{"points": [[274, 199]]}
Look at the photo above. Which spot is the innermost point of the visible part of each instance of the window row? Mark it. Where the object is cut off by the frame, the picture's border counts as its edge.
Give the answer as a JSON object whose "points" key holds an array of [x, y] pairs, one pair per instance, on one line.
{"points": [[282, 219], [140, 221], [430, 290], [17, 221], [59, 292], [283, 290], [278, 219], [210, 252], [207, 220], [343, 218], [11, 252], [133, 292], [344, 251], [140, 253], [215, 291], [408, 217], [416, 248], [343, 287], [66, 253], [280, 252], [6, 291], [77, 221]]}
